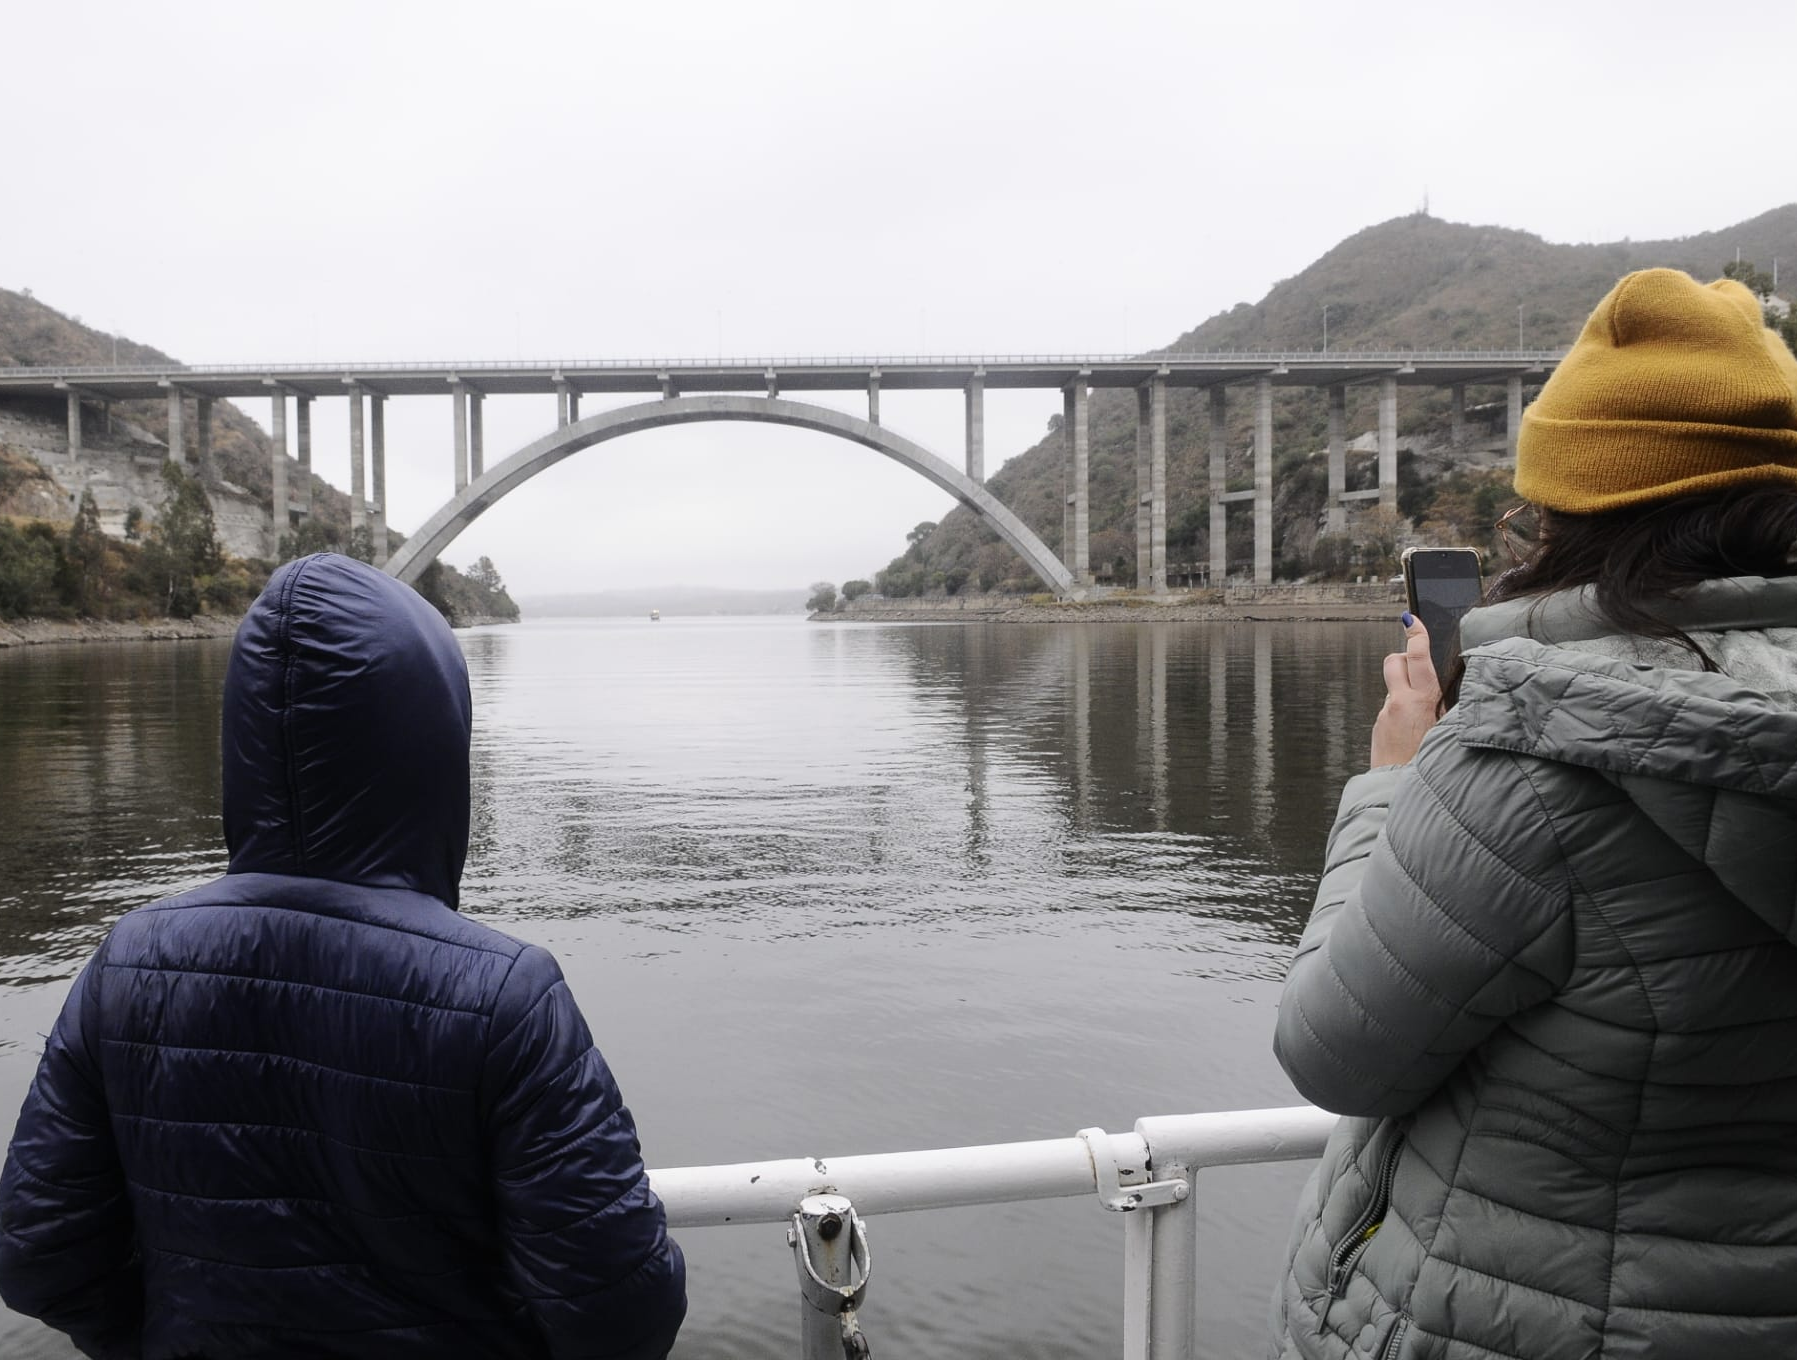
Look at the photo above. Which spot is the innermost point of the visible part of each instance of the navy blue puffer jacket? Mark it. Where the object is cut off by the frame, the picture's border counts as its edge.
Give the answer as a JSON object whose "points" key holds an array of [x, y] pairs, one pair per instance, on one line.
{"points": [[309, 1109]]}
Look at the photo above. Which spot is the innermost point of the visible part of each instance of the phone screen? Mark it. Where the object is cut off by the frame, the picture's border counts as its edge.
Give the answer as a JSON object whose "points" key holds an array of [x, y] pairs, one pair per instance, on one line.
{"points": [[1442, 584]]}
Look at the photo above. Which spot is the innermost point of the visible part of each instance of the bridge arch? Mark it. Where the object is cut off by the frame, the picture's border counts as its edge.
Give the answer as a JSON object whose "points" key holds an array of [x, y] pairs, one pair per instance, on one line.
{"points": [[440, 530]]}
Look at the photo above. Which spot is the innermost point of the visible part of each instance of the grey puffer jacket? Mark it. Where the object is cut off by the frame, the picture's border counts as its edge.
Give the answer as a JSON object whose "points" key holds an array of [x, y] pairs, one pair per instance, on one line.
{"points": [[1552, 972]]}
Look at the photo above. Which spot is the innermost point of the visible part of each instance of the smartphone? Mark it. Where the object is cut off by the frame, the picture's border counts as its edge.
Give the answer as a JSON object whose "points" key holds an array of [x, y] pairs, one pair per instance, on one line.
{"points": [[1440, 585]]}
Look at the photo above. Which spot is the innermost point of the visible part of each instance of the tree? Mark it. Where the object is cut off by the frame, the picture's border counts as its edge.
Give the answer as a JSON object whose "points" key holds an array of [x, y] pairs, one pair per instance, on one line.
{"points": [[916, 537], [86, 556], [823, 597], [1757, 281], [183, 547], [854, 590], [485, 575]]}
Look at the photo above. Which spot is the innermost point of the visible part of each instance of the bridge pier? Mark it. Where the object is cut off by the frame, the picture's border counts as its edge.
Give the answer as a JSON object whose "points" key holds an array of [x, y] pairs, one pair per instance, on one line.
{"points": [[302, 434], [976, 425], [1151, 485], [203, 410], [1219, 485], [1157, 482], [1388, 443], [358, 499], [458, 397], [1263, 481], [377, 448], [1338, 458], [277, 465], [1078, 419], [873, 397], [477, 443], [74, 422], [1457, 414], [1513, 413], [177, 432]]}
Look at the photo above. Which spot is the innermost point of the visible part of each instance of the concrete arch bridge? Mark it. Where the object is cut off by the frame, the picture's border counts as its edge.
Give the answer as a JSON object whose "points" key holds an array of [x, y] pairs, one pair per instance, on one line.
{"points": [[690, 391]]}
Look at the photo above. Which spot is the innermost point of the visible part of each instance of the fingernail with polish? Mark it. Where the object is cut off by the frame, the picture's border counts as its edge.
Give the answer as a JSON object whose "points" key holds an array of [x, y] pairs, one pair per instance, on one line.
{"points": [[1406, 618]]}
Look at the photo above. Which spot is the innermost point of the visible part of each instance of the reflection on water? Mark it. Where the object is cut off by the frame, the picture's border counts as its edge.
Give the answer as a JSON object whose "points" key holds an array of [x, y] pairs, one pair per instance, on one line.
{"points": [[820, 890]]}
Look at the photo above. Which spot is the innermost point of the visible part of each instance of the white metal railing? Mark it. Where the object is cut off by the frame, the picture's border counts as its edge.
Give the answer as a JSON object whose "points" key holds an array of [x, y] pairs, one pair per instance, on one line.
{"points": [[714, 363], [1147, 1173]]}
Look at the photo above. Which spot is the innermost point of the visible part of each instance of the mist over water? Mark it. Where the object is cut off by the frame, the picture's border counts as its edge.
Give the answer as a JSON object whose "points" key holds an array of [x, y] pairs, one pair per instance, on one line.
{"points": [[820, 889]]}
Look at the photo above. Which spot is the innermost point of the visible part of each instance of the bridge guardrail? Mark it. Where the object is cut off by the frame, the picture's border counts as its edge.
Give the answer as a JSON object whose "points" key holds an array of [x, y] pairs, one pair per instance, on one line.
{"points": [[713, 364]]}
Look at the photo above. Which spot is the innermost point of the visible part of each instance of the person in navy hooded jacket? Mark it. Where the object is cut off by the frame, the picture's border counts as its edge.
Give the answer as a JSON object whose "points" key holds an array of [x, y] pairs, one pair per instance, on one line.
{"points": [[308, 1109]]}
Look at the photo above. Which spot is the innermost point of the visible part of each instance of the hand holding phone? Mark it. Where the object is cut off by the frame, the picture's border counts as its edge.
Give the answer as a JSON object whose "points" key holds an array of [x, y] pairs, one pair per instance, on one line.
{"points": [[1441, 584]]}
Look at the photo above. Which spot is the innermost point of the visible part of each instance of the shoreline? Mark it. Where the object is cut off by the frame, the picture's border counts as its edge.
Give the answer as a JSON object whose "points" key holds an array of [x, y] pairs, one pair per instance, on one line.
{"points": [[1266, 606], [44, 632], [36, 632]]}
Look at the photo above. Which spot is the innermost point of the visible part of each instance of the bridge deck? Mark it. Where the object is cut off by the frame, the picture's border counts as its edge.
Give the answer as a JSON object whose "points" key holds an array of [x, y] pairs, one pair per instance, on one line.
{"points": [[1304, 368]]}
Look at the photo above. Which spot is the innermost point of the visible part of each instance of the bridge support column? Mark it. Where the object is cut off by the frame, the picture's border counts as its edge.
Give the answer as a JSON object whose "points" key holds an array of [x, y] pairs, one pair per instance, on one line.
{"points": [[561, 405], [1081, 437], [458, 397], [1388, 444], [573, 405], [358, 481], [1219, 483], [177, 433], [1157, 484], [74, 422], [277, 465], [1263, 481], [1457, 413], [976, 426], [477, 444], [377, 449], [203, 407], [1144, 496], [873, 397], [302, 434], [1338, 458], [1513, 413]]}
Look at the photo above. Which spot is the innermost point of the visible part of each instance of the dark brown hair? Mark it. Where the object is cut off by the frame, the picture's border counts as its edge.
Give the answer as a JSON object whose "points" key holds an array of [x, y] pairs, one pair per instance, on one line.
{"points": [[1636, 558]]}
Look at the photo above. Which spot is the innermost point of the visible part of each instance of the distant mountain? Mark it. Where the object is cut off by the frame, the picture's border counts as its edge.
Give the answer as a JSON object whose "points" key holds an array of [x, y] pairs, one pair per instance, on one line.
{"points": [[672, 601], [1411, 283]]}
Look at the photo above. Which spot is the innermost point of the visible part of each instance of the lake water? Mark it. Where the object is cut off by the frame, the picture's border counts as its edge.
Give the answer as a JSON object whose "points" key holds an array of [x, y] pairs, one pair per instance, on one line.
{"points": [[820, 889]]}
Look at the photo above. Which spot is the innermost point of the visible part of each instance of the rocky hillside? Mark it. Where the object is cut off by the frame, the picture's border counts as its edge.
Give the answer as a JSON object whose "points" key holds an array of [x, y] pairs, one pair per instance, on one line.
{"points": [[1412, 283], [42, 484], [123, 468]]}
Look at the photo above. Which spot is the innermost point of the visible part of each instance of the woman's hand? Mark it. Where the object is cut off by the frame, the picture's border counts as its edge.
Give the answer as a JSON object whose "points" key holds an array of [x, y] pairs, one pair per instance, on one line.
{"points": [[1412, 699]]}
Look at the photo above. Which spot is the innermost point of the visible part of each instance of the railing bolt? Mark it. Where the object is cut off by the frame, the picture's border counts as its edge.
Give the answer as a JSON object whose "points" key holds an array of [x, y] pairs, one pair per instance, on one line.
{"points": [[829, 1226]]}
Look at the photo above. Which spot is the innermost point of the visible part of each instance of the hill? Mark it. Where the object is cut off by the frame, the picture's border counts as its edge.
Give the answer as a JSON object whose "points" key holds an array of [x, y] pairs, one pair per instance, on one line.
{"points": [[1414, 282], [44, 488]]}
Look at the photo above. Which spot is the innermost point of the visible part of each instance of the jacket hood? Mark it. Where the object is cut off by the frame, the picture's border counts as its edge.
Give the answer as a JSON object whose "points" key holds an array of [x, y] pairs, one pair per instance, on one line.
{"points": [[1710, 758], [346, 731]]}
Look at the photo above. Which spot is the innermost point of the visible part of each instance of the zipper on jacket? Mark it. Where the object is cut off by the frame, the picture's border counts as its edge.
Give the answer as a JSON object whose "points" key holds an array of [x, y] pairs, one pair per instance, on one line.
{"points": [[1389, 1351], [1347, 1253]]}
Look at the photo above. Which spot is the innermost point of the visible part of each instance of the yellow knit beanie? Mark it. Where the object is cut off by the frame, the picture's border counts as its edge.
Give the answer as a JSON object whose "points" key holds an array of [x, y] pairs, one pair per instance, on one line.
{"points": [[1673, 389]]}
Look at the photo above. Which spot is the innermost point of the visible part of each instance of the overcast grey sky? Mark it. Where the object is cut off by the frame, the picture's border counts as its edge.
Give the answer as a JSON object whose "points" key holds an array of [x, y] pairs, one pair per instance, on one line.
{"points": [[321, 181]]}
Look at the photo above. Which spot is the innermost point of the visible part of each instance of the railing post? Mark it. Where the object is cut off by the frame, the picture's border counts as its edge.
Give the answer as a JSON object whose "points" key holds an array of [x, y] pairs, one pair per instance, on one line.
{"points": [[829, 1247]]}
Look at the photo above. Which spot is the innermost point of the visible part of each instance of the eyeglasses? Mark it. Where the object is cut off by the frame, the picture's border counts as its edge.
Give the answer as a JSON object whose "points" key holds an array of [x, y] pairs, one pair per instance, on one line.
{"points": [[1528, 530]]}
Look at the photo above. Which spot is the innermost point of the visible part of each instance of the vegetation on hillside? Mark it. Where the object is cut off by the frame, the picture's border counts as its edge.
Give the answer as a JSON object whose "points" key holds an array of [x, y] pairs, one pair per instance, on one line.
{"points": [[172, 566], [1411, 283], [174, 570]]}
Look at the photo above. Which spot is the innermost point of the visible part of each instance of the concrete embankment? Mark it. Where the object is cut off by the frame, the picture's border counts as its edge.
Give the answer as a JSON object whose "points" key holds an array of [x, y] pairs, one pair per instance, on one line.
{"points": [[1297, 603]]}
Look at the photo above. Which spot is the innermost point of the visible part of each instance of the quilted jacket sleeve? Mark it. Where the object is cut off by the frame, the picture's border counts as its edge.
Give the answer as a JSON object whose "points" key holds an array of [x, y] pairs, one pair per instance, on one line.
{"points": [[584, 1236], [1444, 909], [67, 1238]]}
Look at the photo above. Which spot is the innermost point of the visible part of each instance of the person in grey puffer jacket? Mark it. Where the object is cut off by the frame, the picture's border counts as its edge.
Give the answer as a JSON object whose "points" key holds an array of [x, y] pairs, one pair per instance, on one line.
{"points": [[1551, 975]]}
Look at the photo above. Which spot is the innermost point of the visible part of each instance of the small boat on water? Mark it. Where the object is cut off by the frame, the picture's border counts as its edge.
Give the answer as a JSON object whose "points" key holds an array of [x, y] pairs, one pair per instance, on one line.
{"points": [[655, 616]]}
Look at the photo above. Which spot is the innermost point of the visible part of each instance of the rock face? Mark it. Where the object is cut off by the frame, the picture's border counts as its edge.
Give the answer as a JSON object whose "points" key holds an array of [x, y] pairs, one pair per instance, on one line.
{"points": [[123, 469]]}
